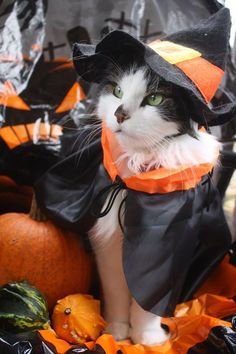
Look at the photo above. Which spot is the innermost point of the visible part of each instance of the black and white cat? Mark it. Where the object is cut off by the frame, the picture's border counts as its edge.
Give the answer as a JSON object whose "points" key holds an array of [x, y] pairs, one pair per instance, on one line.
{"points": [[147, 116]]}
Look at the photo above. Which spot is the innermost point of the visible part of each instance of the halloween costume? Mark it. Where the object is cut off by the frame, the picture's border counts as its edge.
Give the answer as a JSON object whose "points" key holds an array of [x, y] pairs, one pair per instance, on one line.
{"points": [[29, 137], [174, 228]]}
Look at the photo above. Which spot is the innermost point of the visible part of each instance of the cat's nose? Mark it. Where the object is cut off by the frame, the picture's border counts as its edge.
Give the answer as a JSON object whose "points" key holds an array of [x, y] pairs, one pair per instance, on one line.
{"points": [[121, 114]]}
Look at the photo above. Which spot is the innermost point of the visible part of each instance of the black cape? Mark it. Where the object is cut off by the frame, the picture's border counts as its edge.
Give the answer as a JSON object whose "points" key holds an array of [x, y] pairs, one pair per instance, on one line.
{"points": [[171, 241]]}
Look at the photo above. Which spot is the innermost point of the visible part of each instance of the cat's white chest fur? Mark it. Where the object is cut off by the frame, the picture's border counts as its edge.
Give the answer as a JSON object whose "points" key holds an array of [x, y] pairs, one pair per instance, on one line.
{"points": [[126, 319]]}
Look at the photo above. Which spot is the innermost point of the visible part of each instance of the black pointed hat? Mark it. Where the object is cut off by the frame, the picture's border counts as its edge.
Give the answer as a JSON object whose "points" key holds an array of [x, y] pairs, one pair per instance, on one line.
{"points": [[192, 59]]}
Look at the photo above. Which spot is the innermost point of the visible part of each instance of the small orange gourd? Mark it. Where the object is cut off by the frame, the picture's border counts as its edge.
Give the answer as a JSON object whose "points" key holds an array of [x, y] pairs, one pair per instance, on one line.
{"points": [[76, 318]]}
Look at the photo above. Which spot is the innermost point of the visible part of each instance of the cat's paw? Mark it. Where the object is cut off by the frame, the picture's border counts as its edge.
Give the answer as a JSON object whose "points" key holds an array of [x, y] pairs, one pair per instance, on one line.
{"points": [[119, 330], [149, 336], [146, 327]]}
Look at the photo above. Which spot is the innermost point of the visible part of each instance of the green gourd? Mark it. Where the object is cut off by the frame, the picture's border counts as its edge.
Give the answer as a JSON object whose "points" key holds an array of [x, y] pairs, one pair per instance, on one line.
{"points": [[22, 308]]}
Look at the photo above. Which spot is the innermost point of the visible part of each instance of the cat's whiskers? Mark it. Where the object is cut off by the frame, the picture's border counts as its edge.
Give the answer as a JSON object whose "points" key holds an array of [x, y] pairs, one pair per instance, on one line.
{"points": [[96, 129], [83, 143], [86, 141], [146, 158], [66, 119], [92, 135]]}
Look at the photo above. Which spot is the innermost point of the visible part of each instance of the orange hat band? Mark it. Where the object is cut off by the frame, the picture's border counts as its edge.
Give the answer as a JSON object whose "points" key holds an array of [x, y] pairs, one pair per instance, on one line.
{"points": [[205, 75]]}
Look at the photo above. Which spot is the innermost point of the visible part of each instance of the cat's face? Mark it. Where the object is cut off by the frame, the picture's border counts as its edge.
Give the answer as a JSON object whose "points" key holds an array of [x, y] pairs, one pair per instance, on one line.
{"points": [[140, 108], [152, 121]]}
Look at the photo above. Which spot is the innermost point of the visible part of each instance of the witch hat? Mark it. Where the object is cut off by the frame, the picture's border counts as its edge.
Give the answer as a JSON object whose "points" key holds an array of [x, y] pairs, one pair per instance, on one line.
{"points": [[193, 59]]}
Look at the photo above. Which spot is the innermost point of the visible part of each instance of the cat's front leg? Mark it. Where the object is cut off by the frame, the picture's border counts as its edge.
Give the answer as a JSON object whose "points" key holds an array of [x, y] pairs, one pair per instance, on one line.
{"points": [[116, 296], [146, 327]]}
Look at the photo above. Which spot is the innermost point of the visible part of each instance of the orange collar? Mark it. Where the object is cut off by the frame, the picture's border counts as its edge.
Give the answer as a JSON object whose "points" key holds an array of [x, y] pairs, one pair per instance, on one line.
{"points": [[161, 180]]}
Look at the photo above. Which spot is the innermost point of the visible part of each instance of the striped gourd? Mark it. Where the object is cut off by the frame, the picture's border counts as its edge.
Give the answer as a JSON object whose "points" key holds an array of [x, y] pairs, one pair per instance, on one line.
{"points": [[22, 308]]}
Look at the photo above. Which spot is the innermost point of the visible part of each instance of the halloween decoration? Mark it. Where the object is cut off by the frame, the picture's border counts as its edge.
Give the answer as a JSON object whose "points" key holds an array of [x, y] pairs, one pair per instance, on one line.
{"points": [[22, 308], [6, 182], [203, 325], [50, 258], [76, 318], [30, 138], [13, 197], [22, 34]]}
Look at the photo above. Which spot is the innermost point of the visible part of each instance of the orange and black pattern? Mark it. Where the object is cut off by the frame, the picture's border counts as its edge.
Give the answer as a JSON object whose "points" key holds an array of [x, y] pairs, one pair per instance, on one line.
{"points": [[36, 119]]}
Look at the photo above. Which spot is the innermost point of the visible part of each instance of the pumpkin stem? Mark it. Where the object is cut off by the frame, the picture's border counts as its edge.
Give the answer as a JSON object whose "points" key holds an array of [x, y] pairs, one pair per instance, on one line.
{"points": [[35, 213]]}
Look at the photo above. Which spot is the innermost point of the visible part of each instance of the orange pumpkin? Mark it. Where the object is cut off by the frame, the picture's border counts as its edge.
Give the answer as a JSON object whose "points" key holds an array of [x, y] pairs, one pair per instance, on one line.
{"points": [[76, 318], [7, 181], [50, 258], [14, 197]]}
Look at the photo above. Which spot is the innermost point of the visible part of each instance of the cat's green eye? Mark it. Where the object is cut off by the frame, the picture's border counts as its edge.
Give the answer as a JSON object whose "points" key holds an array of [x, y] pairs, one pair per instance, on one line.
{"points": [[154, 99], [118, 92]]}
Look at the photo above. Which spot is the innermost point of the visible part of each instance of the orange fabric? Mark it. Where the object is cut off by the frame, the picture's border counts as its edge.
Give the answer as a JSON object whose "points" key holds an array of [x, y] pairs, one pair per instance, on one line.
{"points": [[18, 134], [203, 74], [172, 52], [44, 130], [61, 59], [56, 131], [161, 180], [21, 132], [8, 89], [191, 325], [31, 128], [207, 304], [8, 97], [74, 95], [37, 47], [10, 138], [10, 58], [66, 65], [49, 336], [221, 281], [15, 102]]}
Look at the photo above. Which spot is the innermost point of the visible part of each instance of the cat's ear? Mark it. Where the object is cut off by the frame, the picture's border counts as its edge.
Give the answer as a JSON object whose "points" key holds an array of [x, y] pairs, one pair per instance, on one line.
{"points": [[89, 65], [115, 51]]}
